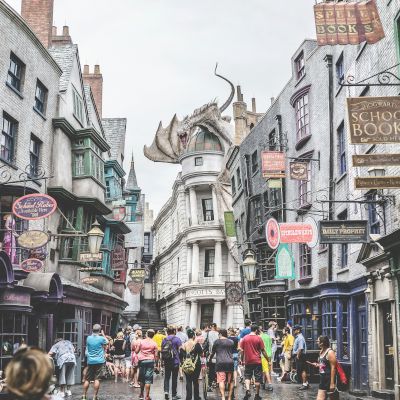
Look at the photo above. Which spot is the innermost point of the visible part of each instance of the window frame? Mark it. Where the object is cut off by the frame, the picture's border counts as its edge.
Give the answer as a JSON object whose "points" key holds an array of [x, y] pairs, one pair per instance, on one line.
{"points": [[344, 247], [198, 161], [34, 157], [254, 162], [238, 178], [300, 66], [77, 105], [373, 217], [207, 211], [339, 67], [305, 261], [40, 104], [209, 263], [341, 138], [11, 74], [11, 137], [233, 185], [302, 114], [257, 211]]}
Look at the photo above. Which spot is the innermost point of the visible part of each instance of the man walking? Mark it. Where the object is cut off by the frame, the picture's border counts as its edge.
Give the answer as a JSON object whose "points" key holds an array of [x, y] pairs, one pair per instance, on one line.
{"points": [[170, 356], [252, 347], [266, 363], [95, 351], [224, 366], [184, 338], [299, 353], [212, 336]]}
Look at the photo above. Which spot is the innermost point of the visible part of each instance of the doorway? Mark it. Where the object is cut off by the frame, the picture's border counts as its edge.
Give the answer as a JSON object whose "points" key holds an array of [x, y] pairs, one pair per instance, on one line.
{"points": [[360, 367], [207, 313], [388, 345]]}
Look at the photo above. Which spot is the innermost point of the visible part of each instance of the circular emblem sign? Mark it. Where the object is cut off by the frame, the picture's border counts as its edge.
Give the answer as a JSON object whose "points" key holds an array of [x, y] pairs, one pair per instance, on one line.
{"points": [[135, 287], [34, 206], [272, 233], [33, 239], [31, 265], [315, 234]]}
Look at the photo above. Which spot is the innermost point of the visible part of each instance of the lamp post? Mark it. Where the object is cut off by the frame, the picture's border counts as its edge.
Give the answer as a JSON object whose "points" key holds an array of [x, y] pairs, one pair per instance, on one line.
{"points": [[249, 265], [376, 172], [95, 238]]}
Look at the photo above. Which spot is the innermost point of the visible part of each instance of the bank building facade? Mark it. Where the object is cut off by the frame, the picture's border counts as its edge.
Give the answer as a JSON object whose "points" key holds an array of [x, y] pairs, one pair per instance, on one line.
{"points": [[193, 257]]}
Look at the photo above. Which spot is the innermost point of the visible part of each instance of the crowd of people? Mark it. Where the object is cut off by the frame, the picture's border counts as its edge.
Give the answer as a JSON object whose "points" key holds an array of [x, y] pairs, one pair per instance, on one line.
{"points": [[223, 358]]}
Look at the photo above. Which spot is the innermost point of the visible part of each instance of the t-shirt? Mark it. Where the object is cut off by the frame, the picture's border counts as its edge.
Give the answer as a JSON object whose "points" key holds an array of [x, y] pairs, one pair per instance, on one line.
{"points": [[267, 344], [244, 332], [63, 352], [95, 350], [176, 344], [182, 335], [223, 349], [235, 341], [299, 344], [288, 342], [147, 349], [118, 345], [158, 338], [212, 337], [252, 346]]}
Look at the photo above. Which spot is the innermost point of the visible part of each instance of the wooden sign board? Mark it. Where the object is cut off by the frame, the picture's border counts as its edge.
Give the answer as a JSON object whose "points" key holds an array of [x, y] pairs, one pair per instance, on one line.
{"points": [[372, 160], [273, 164], [331, 232], [299, 170], [380, 182], [88, 257]]}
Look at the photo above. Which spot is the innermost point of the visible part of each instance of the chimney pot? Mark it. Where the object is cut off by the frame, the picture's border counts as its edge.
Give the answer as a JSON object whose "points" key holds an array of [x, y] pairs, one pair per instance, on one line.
{"points": [[65, 30], [86, 69], [54, 31], [97, 69], [239, 93], [253, 104]]}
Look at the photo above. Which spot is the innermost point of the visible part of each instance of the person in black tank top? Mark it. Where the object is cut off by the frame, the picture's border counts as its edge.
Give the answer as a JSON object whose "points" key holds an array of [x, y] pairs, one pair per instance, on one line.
{"points": [[119, 355]]}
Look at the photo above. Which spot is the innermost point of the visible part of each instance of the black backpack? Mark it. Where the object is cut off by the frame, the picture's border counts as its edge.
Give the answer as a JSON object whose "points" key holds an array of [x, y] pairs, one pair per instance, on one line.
{"points": [[167, 351]]}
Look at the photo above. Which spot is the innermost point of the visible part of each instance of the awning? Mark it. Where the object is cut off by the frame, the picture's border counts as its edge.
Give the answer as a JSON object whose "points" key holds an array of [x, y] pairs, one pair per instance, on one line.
{"points": [[47, 286], [6, 271]]}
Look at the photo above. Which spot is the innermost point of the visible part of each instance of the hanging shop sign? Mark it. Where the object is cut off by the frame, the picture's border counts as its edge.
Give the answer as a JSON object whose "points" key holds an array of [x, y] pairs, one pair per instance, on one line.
{"points": [[89, 257], [34, 206], [343, 232], [10, 296], [373, 160], [119, 213], [294, 232], [40, 253], [32, 239], [90, 280], [120, 276], [233, 293], [137, 274], [275, 183], [229, 224], [135, 287], [298, 170], [273, 164], [374, 119], [284, 263], [32, 265], [118, 258], [378, 182], [348, 23]]}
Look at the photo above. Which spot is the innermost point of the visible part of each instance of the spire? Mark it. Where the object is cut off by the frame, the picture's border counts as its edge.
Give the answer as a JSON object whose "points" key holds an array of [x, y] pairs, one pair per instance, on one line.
{"points": [[131, 184]]}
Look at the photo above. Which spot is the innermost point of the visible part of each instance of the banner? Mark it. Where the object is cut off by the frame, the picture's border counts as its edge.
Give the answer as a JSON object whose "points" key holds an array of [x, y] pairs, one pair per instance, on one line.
{"points": [[298, 170], [348, 23], [233, 293], [284, 263], [229, 224], [379, 182], [374, 119], [372, 160], [343, 232], [273, 164]]}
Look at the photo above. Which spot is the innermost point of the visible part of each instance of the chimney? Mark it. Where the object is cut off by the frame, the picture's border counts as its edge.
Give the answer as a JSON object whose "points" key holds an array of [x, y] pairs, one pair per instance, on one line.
{"points": [[253, 105], [65, 30], [39, 16], [239, 93], [54, 31], [95, 80]]}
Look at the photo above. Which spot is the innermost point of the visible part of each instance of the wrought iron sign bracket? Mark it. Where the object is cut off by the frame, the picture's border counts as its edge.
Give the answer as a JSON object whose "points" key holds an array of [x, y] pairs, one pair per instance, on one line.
{"points": [[306, 159], [387, 77]]}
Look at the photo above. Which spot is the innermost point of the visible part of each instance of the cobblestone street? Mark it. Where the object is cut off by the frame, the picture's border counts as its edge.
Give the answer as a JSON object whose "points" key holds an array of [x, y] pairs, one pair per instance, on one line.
{"points": [[120, 391]]}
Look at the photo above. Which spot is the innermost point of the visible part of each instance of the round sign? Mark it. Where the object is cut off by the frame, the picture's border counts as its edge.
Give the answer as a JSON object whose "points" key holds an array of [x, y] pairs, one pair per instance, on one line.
{"points": [[31, 265], [272, 233], [33, 239], [315, 234], [34, 206], [135, 287]]}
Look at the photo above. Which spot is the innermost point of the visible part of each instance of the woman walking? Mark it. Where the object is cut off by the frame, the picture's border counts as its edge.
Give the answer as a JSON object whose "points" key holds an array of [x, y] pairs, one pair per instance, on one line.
{"points": [[135, 361], [235, 352], [119, 356], [191, 348]]}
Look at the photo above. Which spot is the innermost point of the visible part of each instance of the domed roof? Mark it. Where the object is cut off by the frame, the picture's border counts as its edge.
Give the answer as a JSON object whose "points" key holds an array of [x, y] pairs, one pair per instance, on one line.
{"points": [[205, 141]]}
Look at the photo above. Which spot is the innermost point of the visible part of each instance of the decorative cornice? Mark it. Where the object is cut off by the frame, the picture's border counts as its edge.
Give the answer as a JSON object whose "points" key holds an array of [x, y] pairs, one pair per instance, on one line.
{"points": [[97, 138], [301, 92], [117, 167]]}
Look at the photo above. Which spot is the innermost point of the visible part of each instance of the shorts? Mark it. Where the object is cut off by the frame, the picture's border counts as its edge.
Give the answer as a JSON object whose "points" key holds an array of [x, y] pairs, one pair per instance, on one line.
{"points": [[253, 369], [300, 366], [324, 382], [223, 377], [146, 372], [67, 374], [128, 362], [266, 368], [94, 372], [235, 361], [287, 362], [119, 361]]}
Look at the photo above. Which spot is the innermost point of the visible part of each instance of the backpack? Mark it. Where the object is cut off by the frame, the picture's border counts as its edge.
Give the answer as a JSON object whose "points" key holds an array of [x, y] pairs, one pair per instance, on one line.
{"points": [[341, 373], [167, 351], [189, 365]]}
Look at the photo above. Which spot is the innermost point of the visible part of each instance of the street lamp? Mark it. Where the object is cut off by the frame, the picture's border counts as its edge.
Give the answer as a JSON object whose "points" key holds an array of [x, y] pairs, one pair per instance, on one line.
{"points": [[249, 265], [95, 237], [376, 172]]}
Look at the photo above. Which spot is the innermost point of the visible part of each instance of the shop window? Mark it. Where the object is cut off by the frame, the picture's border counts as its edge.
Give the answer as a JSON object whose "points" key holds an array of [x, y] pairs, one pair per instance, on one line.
{"points": [[274, 309], [209, 263], [15, 72], [40, 97], [79, 164], [146, 243], [344, 248], [266, 263], [329, 321], [342, 163], [34, 156], [106, 323], [305, 261], [8, 137], [300, 66], [208, 212], [302, 117], [254, 162], [344, 346], [306, 315], [373, 219], [257, 211]]}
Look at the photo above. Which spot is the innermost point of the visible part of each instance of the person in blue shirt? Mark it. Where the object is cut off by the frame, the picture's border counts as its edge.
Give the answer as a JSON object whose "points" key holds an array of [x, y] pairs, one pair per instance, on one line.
{"points": [[95, 353], [246, 330], [299, 355]]}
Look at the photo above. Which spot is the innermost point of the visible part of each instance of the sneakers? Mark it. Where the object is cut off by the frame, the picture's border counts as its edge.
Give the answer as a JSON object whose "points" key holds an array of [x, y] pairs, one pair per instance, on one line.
{"points": [[68, 393], [247, 395], [166, 396], [304, 387], [270, 388]]}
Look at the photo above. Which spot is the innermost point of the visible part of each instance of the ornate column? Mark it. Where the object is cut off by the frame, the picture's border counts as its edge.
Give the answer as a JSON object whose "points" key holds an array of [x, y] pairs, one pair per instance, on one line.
{"points": [[187, 314], [229, 316], [188, 261], [187, 206], [195, 263], [217, 315], [218, 261], [193, 313], [215, 204], [193, 206]]}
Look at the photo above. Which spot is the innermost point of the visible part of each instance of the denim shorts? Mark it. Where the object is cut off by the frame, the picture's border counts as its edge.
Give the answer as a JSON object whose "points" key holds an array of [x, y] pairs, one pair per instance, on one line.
{"points": [[235, 361]]}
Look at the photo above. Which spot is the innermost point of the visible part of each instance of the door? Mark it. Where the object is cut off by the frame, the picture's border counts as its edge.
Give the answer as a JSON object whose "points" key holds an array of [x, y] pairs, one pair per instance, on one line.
{"points": [[71, 329], [207, 312], [386, 309], [360, 361]]}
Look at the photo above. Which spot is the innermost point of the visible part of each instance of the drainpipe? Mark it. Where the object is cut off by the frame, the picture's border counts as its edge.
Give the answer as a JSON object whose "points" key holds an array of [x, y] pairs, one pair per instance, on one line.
{"points": [[281, 148], [328, 60]]}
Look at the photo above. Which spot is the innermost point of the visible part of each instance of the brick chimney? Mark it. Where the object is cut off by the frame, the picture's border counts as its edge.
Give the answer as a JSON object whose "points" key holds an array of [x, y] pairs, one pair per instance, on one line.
{"points": [[95, 80], [39, 16], [63, 39]]}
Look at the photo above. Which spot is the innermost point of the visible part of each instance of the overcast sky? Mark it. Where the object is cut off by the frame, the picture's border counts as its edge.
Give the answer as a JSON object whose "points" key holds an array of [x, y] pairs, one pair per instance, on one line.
{"points": [[157, 58]]}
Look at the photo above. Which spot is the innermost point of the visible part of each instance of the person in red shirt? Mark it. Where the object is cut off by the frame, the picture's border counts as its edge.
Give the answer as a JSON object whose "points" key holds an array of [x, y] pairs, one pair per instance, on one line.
{"points": [[252, 346]]}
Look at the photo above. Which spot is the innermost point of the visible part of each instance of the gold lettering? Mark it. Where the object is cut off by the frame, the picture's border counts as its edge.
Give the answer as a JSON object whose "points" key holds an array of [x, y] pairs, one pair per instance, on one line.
{"points": [[357, 130], [370, 133], [364, 119], [354, 117], [386, 115], [373, 116], [352, 28]]}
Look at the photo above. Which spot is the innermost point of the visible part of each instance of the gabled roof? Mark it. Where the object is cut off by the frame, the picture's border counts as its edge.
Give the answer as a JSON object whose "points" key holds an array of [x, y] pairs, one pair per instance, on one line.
{"points": [[131, 183], [64, 55], [115, 131]]}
